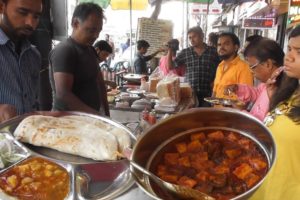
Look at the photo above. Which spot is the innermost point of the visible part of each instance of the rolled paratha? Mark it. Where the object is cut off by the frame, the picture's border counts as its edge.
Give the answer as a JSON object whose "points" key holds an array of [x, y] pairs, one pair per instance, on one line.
{"points": [[79, 135]]}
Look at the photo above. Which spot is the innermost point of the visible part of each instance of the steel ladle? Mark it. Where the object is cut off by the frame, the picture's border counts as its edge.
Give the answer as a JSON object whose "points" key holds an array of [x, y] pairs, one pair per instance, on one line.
{"points": [[182, 191]]}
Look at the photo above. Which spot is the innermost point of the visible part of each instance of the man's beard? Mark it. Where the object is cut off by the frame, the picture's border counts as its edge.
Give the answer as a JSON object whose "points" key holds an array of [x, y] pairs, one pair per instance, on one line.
{"points": [[13, 32], [225, 56]]}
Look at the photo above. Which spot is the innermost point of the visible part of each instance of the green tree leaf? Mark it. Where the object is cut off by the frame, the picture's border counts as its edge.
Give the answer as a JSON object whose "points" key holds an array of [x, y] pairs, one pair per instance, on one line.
{"points": [[102, 3]]}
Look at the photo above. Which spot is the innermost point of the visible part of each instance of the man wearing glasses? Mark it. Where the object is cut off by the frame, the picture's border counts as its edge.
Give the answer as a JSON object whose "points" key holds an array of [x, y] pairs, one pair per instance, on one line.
{"points": [[232, 70]]}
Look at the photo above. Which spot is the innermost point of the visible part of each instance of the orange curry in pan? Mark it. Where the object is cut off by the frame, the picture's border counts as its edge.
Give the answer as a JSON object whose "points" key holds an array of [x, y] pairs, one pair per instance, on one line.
{"points": [[36, 179], [220, 163]]}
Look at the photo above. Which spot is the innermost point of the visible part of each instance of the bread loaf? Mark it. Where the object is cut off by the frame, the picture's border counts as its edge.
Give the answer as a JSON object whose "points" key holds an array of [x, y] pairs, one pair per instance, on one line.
{"points": [[153, 83], [185, 91], [169, 88]]}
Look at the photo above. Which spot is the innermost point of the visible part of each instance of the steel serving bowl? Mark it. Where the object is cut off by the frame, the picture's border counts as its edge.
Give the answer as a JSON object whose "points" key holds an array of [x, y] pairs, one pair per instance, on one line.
{"points": [[89, 179], [149, 143]]}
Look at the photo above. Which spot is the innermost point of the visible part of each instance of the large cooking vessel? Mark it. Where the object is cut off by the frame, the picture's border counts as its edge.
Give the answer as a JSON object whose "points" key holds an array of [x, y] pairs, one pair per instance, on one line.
{"points": [[205, 119], [89, 179]]}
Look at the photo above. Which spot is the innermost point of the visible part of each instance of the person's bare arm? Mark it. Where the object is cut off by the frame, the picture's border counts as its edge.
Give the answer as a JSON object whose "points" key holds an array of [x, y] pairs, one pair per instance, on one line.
{"points": [[149, 57], [157, 51], [6, 112], [63, 87], [271, 87], [104, 109], [170, 63], [229, 89]]}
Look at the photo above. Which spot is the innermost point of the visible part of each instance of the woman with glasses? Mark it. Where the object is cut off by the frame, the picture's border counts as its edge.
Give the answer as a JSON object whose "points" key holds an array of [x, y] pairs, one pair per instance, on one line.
{"points": [[264, 57], [283, 181]]}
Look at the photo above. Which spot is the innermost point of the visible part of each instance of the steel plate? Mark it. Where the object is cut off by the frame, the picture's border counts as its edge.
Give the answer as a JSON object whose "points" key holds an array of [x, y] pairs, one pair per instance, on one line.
{"points": [[135, 91], [90, 179], [223, 101]]}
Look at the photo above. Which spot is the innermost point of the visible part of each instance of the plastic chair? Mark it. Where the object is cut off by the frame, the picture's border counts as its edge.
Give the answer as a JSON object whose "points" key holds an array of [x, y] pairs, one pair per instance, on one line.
{"points": [[119, 69]]}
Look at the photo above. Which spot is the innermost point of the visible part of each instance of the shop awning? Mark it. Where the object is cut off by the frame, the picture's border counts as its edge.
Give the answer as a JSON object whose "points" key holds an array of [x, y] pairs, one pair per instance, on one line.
{"points": [[234, 1], [152, 2], [256, 7], [262, 9], [125, 4], [120, 4]]}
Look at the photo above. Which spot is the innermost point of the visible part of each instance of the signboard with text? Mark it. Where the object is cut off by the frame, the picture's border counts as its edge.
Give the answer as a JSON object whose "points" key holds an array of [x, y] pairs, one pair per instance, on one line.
{"points": [[214, 7], [295, 2], [258, 23], [156, 32], [294, 14]]}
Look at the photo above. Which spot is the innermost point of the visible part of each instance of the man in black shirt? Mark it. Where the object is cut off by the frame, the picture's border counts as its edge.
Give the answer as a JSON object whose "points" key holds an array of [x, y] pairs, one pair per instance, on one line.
{"points": [[76, 80], [140, 60]]}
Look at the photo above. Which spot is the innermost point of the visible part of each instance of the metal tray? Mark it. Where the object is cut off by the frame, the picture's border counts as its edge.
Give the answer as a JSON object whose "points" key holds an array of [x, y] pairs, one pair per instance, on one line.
{"points": [[18, 148], [223, 101], [134, 77], [90, 179], [135, 91]]}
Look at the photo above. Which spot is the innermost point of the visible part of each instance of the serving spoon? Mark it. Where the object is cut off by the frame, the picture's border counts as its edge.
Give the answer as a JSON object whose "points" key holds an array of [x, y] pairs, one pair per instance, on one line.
{"points": [[181, 191]]}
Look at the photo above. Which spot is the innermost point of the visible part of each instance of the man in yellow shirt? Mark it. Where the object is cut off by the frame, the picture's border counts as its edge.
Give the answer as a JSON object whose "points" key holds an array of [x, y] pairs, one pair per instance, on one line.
{"points": [[232, 70]]}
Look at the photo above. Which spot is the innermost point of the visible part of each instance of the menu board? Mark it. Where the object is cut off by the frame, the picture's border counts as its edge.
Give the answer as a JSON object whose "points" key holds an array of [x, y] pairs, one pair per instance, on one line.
{"points": [[156, 32]]}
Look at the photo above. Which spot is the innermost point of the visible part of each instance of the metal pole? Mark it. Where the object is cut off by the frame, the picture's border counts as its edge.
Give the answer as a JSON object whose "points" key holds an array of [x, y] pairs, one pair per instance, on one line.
{"points": [[187, 23], [182, 33], [130, 6], [207, 13]]}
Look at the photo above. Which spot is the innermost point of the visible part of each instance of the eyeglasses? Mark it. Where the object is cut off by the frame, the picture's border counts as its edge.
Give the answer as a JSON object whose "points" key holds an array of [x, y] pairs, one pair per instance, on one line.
{"points": [[255, 65]]}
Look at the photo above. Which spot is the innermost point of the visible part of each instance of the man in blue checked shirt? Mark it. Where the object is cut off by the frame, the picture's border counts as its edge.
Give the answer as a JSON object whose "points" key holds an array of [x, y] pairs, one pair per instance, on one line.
{"points": [[20, 62]]}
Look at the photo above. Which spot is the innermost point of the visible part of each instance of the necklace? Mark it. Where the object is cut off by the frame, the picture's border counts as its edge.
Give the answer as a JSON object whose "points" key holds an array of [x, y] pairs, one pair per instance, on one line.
{"points": [[280, 110]]}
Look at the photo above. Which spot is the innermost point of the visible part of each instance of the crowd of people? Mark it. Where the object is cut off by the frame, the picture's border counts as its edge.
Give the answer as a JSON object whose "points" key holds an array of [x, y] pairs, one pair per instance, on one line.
{"points": [[215, 69]]}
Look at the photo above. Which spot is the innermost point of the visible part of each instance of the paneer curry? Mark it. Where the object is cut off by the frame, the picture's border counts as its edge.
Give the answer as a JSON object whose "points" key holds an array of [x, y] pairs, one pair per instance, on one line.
{"points": [[36, 179], [223, 164]]}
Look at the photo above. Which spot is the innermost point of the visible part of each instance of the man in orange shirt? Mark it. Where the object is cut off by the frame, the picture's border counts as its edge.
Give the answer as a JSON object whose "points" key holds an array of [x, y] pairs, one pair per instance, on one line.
{"points": [[232, 70]]}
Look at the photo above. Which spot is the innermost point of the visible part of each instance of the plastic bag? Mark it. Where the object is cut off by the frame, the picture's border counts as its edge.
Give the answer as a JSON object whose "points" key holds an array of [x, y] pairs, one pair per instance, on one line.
{"points": [[168, 91], [144, 85], [154, 78]]}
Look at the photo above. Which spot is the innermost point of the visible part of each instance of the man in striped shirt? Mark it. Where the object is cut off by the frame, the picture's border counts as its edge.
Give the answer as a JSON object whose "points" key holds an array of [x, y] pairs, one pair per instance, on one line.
{"points": [[20, 62]]}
